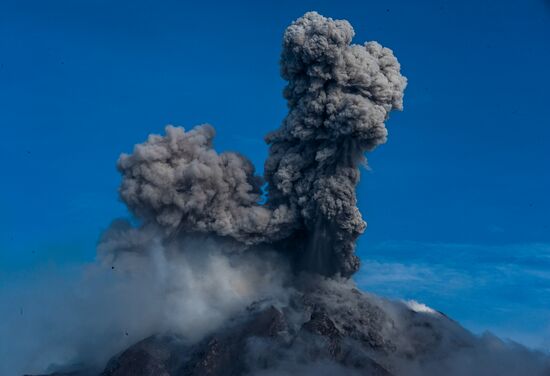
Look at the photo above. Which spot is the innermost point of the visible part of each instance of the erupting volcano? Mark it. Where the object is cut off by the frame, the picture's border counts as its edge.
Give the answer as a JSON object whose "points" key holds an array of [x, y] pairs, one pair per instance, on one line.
{"points": [[238, 274]]}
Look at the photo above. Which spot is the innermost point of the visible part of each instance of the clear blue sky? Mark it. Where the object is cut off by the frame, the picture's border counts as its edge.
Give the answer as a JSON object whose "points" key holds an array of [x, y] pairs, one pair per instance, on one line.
{"points": [[457, 201]]}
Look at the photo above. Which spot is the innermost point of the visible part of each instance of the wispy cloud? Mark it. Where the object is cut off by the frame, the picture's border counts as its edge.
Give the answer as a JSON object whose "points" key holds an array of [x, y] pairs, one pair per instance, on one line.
{"points": [[505, 288]]}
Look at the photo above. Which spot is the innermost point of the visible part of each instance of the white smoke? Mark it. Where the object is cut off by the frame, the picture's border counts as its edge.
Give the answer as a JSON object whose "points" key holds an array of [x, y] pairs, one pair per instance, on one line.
{"points": [[190, 288]]}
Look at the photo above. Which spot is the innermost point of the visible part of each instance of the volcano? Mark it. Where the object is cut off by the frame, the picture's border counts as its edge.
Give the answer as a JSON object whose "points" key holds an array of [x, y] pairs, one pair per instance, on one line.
{"points": [[280, 298]]}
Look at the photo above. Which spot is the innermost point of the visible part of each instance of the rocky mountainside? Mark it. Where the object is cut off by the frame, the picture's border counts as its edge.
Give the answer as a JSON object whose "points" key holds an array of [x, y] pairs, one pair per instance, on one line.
{"points": [[328, 328]]}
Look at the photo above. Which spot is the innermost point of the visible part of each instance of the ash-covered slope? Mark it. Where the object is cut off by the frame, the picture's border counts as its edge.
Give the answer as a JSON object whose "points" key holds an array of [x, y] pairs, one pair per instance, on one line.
{"points": [[241, 287], [328, 327]]}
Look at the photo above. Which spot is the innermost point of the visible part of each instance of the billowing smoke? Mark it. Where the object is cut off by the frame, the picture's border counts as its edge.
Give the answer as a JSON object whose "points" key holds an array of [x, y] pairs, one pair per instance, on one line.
{"points": [[212, 278], [339, 95], [180, 183]]}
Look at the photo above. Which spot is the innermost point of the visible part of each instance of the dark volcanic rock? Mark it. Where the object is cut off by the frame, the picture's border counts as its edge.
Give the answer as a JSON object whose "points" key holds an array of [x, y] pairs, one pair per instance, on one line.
{"points": [[219, 354], [305, 331], [326, 327], [322, 325], [152, 356], [224, 354]]}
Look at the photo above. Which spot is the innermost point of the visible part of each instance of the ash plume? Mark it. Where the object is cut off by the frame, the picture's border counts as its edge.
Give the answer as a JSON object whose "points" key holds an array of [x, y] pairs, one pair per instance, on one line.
{"points": [[339, 95], [180, 183], [211, 279]]}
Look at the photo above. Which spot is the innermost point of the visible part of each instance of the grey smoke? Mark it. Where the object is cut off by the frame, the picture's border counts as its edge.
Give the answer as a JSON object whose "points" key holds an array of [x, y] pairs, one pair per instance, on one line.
{"points": [[339, 96], [179, 182], [205, 248]]}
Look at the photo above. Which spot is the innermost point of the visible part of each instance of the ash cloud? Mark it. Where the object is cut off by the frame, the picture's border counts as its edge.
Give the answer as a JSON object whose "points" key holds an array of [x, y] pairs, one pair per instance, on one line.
{"points": [[339, 96], [179, 182], [256, 288]]}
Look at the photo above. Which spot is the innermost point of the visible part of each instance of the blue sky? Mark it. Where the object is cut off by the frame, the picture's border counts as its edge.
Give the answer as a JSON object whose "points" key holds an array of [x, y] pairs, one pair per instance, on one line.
{"points": [[457, 201]]}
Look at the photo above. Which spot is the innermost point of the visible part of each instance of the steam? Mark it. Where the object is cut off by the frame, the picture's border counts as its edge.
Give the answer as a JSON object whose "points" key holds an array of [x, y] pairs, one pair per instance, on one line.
{"points": [[61, 323]]}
